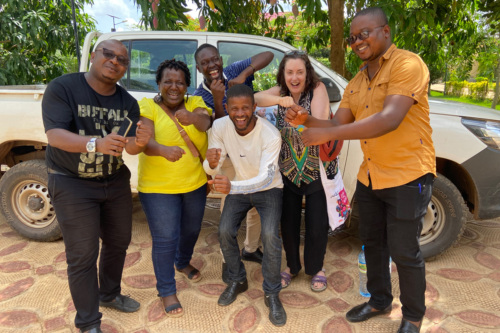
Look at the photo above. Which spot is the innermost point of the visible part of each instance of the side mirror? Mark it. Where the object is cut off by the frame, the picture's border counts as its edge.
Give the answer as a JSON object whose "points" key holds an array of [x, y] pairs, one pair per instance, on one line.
{"points": [[332, 90]]}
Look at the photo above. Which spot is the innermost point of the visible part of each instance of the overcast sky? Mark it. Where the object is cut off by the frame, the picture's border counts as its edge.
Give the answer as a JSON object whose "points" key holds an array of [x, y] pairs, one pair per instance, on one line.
{"points": [[124, 10]]}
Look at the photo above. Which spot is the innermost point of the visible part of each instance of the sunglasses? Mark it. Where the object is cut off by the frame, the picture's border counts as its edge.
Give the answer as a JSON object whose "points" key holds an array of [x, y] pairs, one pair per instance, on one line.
{"points": [[295, 52], [108, 54], [362, 35]]}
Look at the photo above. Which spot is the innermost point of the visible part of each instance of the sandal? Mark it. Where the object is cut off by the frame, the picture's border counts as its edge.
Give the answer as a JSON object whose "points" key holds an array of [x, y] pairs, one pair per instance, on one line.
{"points": [[168, 309], [287, 278], [318, 279], [192, 273]]}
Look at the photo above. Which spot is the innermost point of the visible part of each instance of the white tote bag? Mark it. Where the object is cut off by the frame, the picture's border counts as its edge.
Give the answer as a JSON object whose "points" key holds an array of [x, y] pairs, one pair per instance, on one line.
{"points": [[336, 198]]}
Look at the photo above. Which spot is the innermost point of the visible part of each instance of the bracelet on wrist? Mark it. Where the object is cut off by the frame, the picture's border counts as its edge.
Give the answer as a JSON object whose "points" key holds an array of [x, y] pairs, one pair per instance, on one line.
{"points": [[253, 68]]}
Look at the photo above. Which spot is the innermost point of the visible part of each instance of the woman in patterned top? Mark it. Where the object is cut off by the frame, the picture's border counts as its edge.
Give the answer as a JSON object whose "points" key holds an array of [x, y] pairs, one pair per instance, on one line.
{"points": [[300, 88]]}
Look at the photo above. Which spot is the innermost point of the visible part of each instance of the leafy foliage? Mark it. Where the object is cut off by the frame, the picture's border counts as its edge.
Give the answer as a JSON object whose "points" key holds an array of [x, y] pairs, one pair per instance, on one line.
{"points": [[264, 81], [445, 33], [477, 91], [37, 39], [163, 14], [491, 10], [437, 30]]}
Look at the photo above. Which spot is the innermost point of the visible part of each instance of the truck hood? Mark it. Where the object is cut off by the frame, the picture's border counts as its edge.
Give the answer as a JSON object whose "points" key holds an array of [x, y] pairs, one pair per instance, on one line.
{"points": [[450, 108]]}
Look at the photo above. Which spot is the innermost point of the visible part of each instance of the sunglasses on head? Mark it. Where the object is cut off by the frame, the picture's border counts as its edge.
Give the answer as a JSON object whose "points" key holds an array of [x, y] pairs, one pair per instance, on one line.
{"points": [[295, 52], [361, 36], [108, 54]]}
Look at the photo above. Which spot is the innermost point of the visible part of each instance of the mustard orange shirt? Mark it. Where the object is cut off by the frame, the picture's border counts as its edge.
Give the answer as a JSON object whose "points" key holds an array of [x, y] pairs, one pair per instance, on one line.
{"points": [[406, 153]]}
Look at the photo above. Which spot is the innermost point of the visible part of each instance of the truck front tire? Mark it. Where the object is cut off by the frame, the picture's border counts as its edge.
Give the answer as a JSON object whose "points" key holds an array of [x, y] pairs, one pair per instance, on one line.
{"points": [[26, 202], [445, 220]]}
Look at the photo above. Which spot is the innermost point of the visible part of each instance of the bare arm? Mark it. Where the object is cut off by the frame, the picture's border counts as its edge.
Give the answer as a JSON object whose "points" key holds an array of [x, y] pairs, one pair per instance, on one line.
{"points": [[320, 104], [272, 96], [257, 62], [395, 109], [153, 148], [342, 116], [199, 118], [261, 60], [111, 144]]}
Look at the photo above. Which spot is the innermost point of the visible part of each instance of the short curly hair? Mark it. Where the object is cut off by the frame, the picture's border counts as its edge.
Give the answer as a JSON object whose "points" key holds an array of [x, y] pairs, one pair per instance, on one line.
{"points": [[173, 64], [312, 78]]}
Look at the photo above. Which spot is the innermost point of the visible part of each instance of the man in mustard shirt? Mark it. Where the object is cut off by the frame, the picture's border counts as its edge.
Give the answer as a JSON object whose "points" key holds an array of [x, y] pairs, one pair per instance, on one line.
{"points": [[386, 107]]}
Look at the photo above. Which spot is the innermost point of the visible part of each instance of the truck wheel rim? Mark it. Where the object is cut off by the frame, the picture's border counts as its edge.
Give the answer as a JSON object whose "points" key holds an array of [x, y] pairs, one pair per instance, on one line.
{"points": [[32, 204], [434, 222]]}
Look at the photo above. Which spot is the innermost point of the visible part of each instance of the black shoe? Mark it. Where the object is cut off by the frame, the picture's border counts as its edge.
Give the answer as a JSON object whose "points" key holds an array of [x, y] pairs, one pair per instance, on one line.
{"points": [[228, 296], [277, 314], [225, 272], [407, 327], [252, 256], [92, 330], [363, 312], [122, 303]]}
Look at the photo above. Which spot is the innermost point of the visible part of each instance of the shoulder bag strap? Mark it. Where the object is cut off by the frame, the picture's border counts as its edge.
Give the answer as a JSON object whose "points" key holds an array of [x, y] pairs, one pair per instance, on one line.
{"points": [[183, 133]]}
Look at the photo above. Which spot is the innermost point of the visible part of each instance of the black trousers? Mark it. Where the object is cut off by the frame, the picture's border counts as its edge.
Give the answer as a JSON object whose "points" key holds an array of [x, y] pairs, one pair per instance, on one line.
{"points": [[316, 231], [390, 225], [89, 209]]}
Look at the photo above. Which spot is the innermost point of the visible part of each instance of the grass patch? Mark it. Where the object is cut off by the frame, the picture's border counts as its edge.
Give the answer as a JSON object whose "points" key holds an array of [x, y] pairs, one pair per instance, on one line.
{"points": [[487, 103]]}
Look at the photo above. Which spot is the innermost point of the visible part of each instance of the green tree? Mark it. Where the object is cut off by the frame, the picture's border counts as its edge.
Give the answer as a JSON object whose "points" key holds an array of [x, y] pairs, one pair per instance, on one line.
{"points": [[442, 32], [491, 52], [434, 29], [37, 38], [163, 14]]}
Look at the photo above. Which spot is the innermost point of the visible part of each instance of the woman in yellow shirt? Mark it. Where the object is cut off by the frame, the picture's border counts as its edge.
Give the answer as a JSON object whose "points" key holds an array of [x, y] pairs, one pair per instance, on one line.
{"points": [[172, 182]]}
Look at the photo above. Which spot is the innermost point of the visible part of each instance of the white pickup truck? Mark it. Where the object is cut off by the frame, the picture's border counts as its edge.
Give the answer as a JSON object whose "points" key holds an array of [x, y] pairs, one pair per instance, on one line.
{"points": [[466, 138]]}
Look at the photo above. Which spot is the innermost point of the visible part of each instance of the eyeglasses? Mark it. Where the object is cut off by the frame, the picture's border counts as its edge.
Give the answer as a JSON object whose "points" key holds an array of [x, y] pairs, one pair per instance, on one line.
{"points": [[362, 35], [295, 52], [108, 54]]}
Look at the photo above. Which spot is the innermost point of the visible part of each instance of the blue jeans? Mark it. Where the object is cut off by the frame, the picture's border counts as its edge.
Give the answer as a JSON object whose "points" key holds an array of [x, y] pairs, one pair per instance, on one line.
{"points": [[174, 222], [268, 204]]}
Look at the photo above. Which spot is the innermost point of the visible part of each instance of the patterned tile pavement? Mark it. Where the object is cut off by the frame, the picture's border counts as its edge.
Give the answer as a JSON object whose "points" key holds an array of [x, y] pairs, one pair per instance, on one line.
{"points": [[463, 288]]}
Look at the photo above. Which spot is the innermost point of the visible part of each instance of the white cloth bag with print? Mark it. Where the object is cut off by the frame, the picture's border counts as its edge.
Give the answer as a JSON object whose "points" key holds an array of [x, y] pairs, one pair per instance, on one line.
{"points": [[336, 198]]}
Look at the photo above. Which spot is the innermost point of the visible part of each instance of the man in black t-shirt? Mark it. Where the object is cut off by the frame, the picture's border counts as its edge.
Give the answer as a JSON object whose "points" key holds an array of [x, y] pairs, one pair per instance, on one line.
{"points": [[88, 182]]}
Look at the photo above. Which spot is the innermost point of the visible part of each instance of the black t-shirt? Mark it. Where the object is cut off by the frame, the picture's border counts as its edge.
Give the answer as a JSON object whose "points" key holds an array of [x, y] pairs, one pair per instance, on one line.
{"points": [[70, 103]]}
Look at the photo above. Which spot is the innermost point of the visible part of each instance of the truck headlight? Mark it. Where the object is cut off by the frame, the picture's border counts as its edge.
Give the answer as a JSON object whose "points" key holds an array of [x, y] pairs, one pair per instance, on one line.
{"points": [[487, 131]]}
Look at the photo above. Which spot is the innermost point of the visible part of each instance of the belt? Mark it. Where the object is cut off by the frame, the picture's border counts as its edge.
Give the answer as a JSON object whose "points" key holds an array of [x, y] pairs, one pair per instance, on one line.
{"points": [[99, 178]]}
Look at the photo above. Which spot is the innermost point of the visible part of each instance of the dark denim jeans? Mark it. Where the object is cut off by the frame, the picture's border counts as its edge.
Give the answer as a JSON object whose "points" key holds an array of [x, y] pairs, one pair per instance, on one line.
{"points": [[174, 222], [268, 204], [89, 209], [390, 225]]}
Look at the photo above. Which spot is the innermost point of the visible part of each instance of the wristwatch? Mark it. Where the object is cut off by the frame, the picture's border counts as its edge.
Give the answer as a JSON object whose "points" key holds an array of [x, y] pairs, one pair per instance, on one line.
{"points": [[91, 145]]}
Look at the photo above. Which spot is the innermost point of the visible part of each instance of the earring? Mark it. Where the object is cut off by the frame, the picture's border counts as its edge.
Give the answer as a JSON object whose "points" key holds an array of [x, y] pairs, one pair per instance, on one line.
{"points": [[157, 98]]}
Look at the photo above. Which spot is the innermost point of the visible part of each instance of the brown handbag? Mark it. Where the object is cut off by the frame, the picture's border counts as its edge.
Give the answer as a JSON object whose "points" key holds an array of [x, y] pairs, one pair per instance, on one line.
{"points": [[192, 148], [329, 151]]}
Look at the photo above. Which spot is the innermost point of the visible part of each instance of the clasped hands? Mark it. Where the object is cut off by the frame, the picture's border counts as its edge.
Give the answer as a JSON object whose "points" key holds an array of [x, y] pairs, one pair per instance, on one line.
{"points": [[296, 115]]}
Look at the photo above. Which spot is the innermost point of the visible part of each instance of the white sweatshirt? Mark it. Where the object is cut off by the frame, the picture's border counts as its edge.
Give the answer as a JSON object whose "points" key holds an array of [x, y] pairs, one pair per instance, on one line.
{"points": [[254, 156]]}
